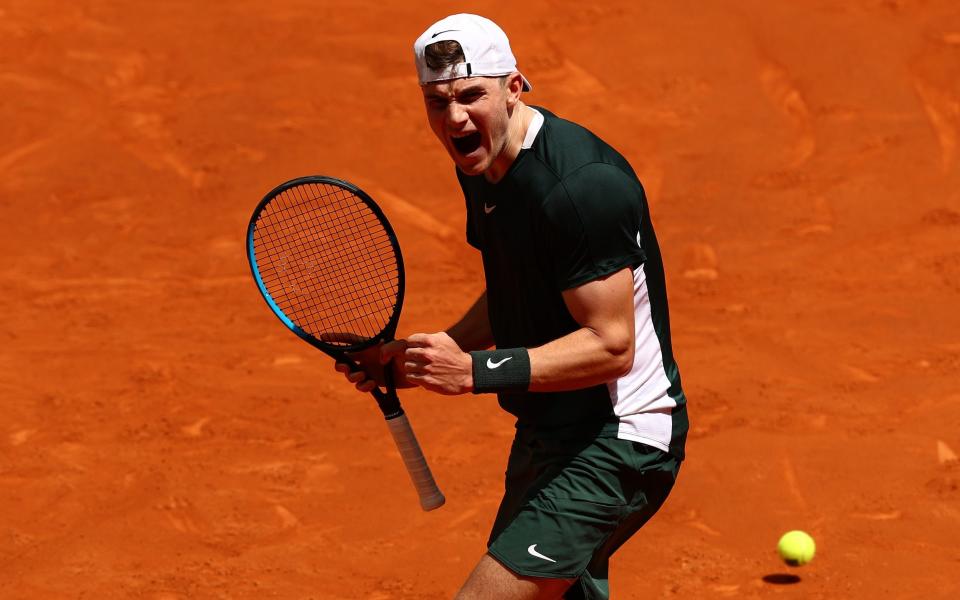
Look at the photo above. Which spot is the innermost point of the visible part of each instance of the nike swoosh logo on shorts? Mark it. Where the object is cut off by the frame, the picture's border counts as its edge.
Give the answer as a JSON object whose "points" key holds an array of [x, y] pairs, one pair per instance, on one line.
{"points": [[494, 365], [488, 209], [532, 551]]}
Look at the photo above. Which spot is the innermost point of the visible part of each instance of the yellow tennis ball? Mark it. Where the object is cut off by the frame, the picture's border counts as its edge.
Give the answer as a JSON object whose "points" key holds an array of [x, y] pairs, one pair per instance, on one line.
{"points": [[796, 548]]}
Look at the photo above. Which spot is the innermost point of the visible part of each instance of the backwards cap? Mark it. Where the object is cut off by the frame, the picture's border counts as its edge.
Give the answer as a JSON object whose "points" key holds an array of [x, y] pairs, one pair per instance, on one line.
{"points": [[485, 48]]}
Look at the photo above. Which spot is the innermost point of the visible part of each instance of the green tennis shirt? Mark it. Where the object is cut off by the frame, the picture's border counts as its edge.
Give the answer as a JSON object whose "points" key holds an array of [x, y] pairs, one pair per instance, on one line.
{"points": [[569, 210]]}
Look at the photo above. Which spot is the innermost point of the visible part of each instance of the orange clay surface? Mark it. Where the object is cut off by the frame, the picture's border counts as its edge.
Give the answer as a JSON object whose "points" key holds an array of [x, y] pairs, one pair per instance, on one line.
{"points": [[163, 436]]}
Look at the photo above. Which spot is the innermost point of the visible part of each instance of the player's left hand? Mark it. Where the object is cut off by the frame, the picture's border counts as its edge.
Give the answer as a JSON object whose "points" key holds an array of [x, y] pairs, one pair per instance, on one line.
{"points": [[434, 361]]}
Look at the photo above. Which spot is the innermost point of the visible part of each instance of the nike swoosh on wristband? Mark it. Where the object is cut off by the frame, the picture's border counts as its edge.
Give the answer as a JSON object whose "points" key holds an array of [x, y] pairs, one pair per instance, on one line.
{"points": [[532, 551], [488, 209], [494, 365]]}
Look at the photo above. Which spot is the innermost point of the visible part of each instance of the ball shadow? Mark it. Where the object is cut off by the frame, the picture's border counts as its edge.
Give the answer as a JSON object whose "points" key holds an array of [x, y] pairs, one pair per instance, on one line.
{"points": [[782, 578]]}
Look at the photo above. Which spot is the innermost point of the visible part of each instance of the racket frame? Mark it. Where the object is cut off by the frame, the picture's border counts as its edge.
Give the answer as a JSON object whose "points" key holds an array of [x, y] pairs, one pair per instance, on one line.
{"points": [[390, 328], [387, 399]]}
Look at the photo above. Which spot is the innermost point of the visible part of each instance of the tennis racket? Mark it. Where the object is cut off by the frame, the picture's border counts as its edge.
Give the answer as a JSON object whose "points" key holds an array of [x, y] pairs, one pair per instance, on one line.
{"points": [[329, 266]]}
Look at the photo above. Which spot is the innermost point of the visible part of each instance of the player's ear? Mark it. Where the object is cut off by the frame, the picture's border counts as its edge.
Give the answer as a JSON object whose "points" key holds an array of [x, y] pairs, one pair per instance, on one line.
{"points": [[513, 85]]}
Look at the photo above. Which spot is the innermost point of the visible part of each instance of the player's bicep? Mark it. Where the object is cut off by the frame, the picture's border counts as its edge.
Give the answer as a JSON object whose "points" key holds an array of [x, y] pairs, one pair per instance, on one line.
{"points": [[605, 307]]}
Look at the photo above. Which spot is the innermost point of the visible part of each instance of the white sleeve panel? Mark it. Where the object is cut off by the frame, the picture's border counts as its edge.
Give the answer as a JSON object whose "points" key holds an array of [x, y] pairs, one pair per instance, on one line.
{"points": [[640, 398]]}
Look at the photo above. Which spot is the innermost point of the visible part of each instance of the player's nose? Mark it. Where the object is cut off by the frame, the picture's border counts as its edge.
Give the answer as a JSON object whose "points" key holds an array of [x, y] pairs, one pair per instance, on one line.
{"points": [[457, 116]]}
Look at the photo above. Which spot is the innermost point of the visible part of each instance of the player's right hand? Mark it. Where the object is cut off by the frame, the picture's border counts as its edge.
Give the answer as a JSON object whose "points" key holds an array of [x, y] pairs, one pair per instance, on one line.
{"points": [[373, 362], [370, 374], [366, 378]]}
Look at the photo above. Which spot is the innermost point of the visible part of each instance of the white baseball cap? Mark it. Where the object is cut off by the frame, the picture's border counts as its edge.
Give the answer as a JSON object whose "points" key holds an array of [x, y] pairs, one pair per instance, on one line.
{"points": [[485, 48]]}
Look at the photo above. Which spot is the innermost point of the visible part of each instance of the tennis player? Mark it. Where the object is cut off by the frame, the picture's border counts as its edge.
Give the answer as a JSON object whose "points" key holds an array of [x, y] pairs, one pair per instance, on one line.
{"points": [[576, 309]]}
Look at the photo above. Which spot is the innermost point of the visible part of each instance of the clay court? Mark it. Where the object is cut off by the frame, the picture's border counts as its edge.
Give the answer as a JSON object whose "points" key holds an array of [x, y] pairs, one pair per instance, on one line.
{"points": [[165, 437]]}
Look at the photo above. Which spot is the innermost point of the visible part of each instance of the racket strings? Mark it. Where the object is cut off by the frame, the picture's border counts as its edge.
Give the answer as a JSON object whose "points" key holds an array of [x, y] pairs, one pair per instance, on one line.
{"points": [[328, 263], [374, 296], [341, 277], [340, 296]]}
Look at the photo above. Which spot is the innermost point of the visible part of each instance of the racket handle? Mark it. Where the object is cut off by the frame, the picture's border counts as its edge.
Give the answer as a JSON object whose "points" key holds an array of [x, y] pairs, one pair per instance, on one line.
{"points": [[430, 495]]}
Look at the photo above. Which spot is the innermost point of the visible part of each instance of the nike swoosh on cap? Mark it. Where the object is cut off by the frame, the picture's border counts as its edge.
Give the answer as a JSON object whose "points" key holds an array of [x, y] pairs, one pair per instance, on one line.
{"points": [[444, 31]]}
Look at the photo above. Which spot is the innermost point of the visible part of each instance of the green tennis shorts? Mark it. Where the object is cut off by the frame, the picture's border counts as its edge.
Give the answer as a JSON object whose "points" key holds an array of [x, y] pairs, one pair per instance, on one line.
{"points": [[571, 503]]}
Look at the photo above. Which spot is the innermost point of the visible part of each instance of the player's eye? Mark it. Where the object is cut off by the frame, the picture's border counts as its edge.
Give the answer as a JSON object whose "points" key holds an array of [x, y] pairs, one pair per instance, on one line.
{"points": [[470, 97]]}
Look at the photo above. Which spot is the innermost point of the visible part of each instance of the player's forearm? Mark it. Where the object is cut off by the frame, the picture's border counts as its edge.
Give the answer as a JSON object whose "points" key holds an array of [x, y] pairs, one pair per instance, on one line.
{"points": [[472, 331], [580, 359]]}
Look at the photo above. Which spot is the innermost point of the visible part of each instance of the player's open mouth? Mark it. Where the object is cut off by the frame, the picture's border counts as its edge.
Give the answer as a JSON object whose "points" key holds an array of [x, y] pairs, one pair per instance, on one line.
{"points": [[468, 143]]}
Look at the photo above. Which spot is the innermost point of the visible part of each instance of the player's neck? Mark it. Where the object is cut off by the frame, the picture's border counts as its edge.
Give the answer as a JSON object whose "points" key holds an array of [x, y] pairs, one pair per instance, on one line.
{"points": [[516, 132]]}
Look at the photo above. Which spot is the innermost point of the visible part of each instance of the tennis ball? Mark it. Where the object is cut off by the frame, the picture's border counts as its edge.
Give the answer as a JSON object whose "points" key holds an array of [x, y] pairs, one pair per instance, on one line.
{"points": [[796, 548]]}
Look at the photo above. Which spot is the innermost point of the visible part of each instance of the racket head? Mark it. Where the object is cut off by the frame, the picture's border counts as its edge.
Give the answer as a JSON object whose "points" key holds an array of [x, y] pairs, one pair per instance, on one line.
{"points": [[327, 261]]}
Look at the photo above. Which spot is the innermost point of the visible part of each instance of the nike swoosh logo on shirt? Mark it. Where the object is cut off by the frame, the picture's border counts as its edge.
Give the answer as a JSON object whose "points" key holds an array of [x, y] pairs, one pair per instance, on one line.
{"points": [[488, 209], [532, 550], [494, 365]]}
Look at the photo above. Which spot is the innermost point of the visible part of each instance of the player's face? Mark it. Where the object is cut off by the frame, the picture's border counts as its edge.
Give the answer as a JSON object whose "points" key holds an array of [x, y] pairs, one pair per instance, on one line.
{"points": [[471, 119]]}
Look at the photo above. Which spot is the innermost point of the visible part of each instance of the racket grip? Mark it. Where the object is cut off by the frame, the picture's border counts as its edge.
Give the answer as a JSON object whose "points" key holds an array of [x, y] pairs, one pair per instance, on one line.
{"points": [[430, 495]]}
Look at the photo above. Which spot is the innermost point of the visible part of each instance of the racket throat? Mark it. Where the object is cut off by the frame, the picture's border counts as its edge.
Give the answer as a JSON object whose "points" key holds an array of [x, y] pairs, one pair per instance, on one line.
{"points": [[388, 400]]}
